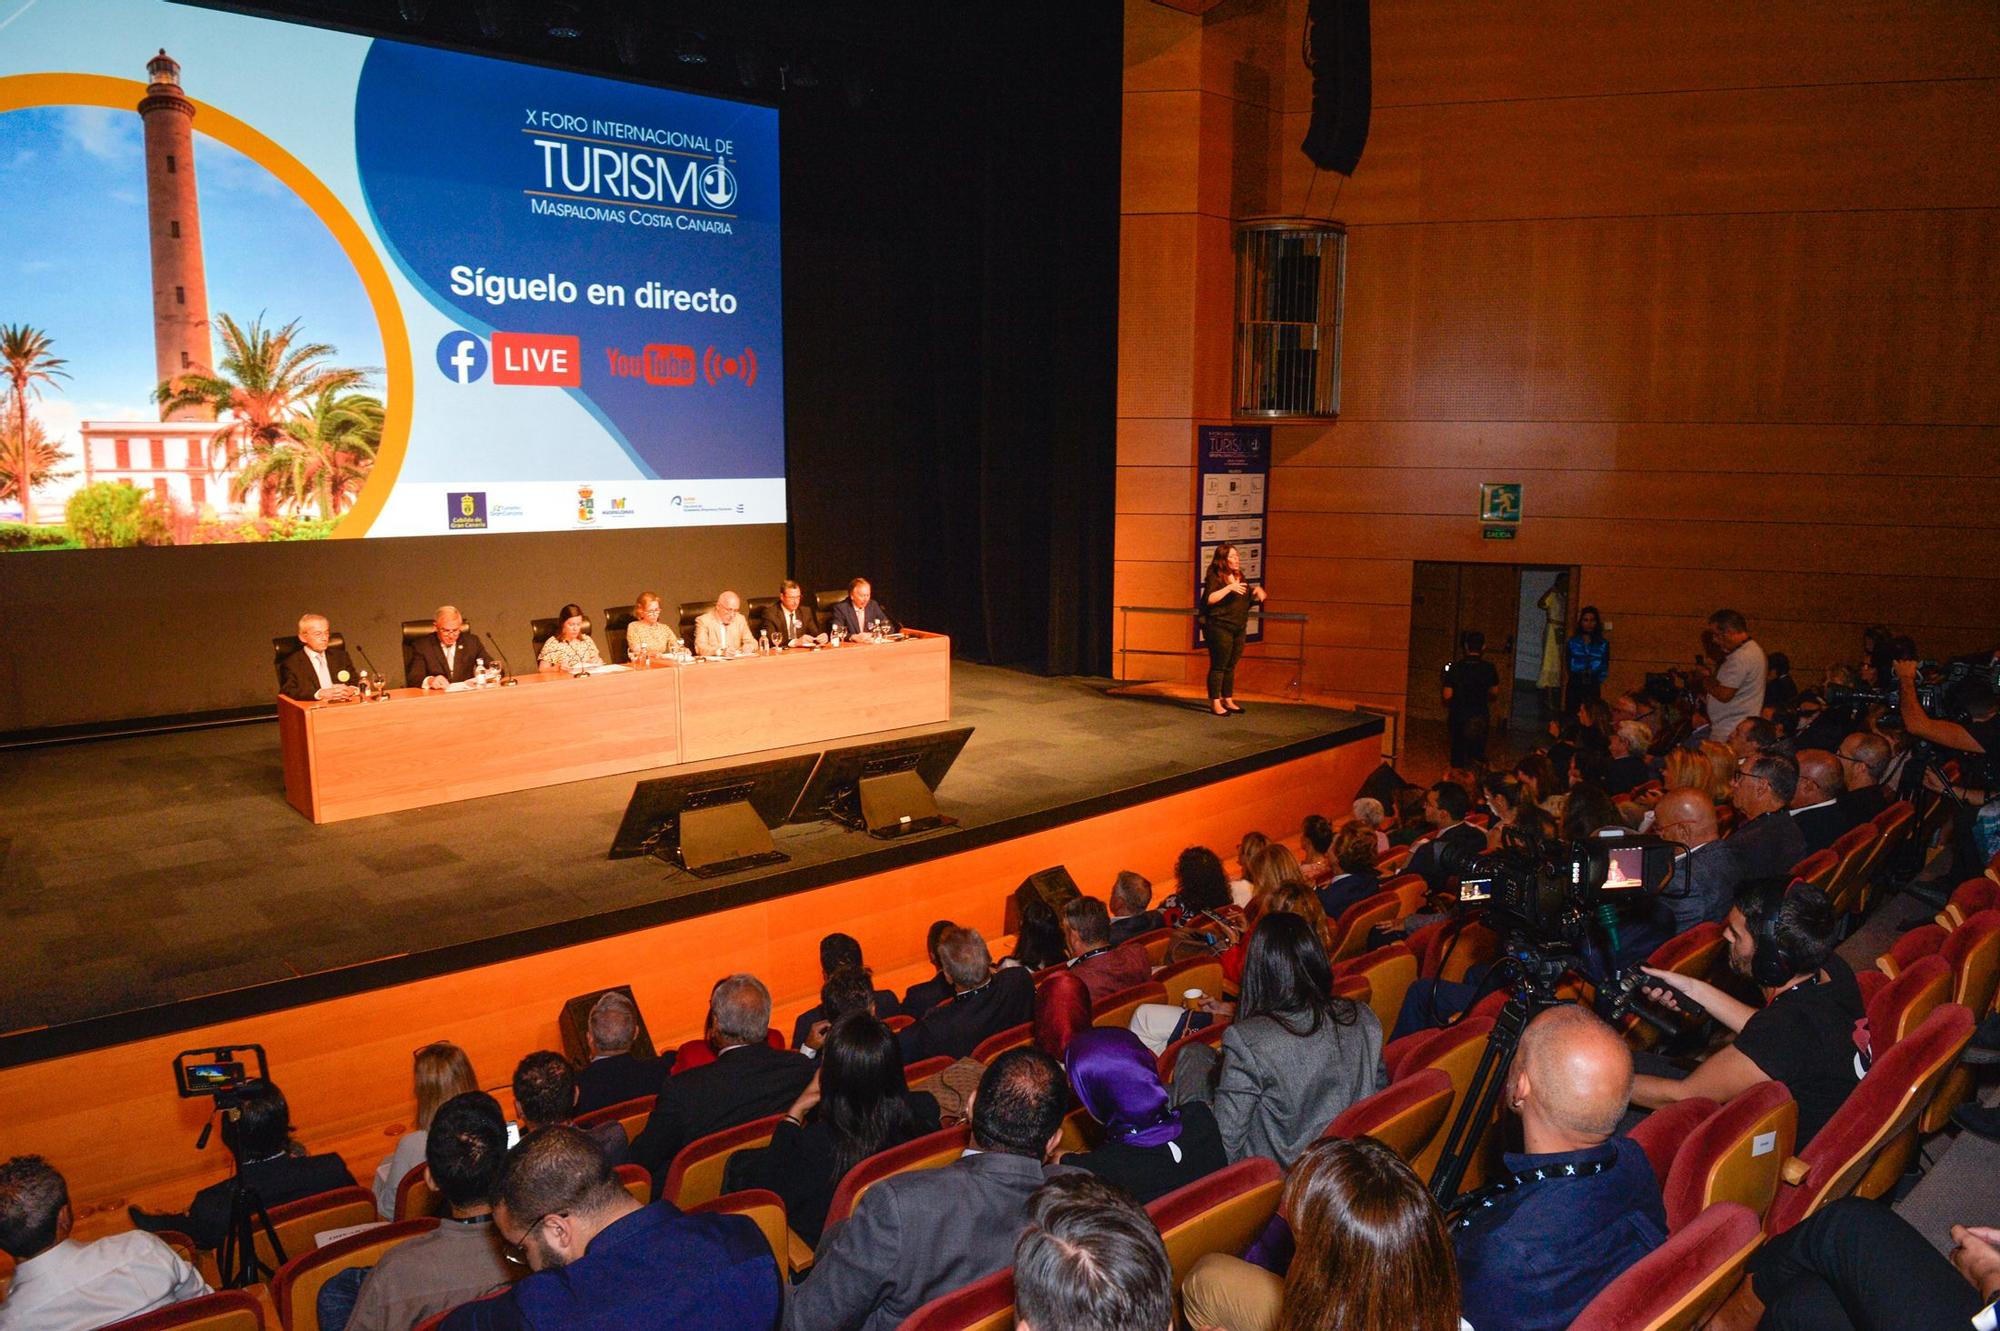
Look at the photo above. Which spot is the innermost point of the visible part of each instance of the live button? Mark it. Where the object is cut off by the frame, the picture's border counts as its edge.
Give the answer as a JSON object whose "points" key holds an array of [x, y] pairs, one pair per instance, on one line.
{"points": [[544, 359]]}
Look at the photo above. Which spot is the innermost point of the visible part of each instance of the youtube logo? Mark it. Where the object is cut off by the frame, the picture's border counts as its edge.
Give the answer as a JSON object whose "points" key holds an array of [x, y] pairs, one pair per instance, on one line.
{"points": [[546, 360]]}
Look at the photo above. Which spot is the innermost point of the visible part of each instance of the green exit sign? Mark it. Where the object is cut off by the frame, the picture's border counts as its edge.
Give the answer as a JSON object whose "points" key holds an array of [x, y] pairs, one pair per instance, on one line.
{"points": [[1497, 533]]}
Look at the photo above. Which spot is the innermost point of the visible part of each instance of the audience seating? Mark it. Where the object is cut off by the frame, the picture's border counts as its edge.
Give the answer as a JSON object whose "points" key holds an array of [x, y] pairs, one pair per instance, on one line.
{"points": [[1388, 972], [1735, 1155], [1854, 850], [297, 1222], [1914, 946], [695, 1176], [932, 1151], [1404, 1116], [629, 1114], [1817, 868], [635, 1180], [926, 1068], [295, 1288], [1901, 1005], [1681, 1283], [1973, 953], [1855, 1143], [1694, 952], [1203, 973], [1014, 1037], [415, 1198], [902, 1021], [1662, 1133], [1220, 1213], [1448, 949], [1080, 1132], [1896, 825], [1350, 935], [1157, 942], [1412, 892], [766, 1209], [230, 1310], [1117, 1009], [1394, 862], [1968, 899], [1210, 1035], [984, 1305], [1456, 1050]]}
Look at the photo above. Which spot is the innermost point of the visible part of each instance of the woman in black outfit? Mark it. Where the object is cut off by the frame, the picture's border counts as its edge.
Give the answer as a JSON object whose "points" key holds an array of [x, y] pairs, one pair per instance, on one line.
{"points": [[1224, 614], [1149, 1147], [858, 1104]]}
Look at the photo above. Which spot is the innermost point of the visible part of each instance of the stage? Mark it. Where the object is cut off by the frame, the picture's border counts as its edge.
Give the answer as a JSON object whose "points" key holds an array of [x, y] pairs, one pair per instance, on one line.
{"points": [[160, 883]]}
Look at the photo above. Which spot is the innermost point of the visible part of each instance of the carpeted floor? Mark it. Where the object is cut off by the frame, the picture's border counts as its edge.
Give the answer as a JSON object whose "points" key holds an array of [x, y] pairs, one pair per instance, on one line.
{"points": [[144, 871]]}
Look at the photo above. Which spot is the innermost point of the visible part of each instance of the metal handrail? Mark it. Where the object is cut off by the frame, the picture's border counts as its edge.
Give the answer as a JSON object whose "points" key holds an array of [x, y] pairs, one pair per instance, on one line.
{"points": [[1297, 659]]}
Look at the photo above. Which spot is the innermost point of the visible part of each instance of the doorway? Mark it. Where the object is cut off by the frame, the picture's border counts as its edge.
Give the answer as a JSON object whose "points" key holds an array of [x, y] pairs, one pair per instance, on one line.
{"points": [[1502, 601]]}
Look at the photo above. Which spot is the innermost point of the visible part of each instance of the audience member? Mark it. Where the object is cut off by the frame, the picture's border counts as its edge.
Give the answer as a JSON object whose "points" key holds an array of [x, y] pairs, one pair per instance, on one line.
{"points": [[545, 1097], [269, 1165], [1767, 841], [924, 995], [1315, 849], [1753, 737], [1149, 1147], [1274, 867], [1201, 887], [839, 952], [1090, 1260], [1445, 807], [1587, 810], [1705, 874], [1578, 1205], [1062, 1008], [1038, 939], [1721, 760], [1131, 913], [984, 1001], [1863, 760], [1372, 1254], [849, 989], [614, 1073], [1583, 747], [1736, 688], [1780, 692], [1815, 802], [1370, 813], [1856, 1265], [1543, 787], [1355, 853], [1241, 889], [920, 1234], [1781, 938], [440, 1070], [858, 1104], [1291, 898], [60, 1284], [1469, 686], [599, 1258], [1588, 656], [1411, 824], [1294, 1056], [461, 1259], [1104, 969], [1630, 742], [748, 1079]]}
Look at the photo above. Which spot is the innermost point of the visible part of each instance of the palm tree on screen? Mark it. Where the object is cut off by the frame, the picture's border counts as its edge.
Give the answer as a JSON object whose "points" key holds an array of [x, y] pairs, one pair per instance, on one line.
{"points": [[24, 353], [40, 459], [266, 379], [333, 447]]}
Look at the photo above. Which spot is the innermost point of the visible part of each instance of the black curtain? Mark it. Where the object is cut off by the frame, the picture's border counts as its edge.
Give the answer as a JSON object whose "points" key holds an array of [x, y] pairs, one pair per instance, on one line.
{"points": [[951, 280]]}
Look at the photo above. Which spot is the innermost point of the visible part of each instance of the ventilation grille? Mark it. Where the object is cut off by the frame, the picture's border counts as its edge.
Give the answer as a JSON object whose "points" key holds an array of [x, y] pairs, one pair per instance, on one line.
{"points": [[1289, 280]]}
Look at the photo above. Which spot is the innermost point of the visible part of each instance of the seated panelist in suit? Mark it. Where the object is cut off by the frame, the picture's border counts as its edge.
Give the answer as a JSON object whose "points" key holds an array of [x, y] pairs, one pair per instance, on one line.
{"points": [[445, 655], [791, 618], [724, 629], [646, 634], [861, 612], [317, 671]]}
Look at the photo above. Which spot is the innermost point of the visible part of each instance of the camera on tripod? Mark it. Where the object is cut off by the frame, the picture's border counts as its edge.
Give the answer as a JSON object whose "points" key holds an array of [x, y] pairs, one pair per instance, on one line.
{"points": [[1937, 690], [219, 1072], [1542, 893]]}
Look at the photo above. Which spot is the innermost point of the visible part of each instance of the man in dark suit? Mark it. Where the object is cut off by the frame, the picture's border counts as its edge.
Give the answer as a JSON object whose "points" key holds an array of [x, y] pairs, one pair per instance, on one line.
{"points": [[1766, 842], [923, 1233], [448, 654], [318, 670], [791, 617], [601, 1259], [861, 612], [1705, 876], [984, 1001], [615, 1074], [1630, 743], [748, 1079], [1815, 803], [1131, 897], [839, 952], [1445, 807], [1864, 757], [924, 995]]}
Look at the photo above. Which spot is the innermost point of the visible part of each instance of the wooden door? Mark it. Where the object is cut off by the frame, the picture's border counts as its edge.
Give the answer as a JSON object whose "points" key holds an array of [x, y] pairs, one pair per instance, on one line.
{"points": [[1433, 635]]}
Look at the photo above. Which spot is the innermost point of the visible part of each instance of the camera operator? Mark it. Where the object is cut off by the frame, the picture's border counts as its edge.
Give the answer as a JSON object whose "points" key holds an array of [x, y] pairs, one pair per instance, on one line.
{"points": [[1976, 738], [1781, 937], [1736, 687], [257, 1129]]}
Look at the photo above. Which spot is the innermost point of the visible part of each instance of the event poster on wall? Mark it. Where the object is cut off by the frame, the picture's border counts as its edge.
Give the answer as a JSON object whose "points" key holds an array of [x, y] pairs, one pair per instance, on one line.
{"points": [[266, 281], [1235, 471]]}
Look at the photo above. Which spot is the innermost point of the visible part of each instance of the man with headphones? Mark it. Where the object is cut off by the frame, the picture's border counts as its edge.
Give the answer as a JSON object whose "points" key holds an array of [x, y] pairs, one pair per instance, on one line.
{"points": [[1781, 937]]}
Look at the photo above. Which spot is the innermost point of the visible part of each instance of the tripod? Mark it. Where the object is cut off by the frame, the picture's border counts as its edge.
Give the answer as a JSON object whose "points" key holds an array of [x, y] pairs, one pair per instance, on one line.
{"points": [[1929, 763], [237, 1261]]}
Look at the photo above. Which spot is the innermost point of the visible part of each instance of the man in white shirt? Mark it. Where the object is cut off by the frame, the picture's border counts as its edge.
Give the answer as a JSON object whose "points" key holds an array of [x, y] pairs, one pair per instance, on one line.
{"points": [[318, 670], [1736, 689], [723, 630], [60, 1284]]}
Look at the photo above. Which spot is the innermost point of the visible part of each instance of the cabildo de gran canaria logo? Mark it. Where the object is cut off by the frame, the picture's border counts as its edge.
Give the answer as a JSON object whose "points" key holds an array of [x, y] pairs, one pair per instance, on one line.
{"points": [[596, 170]]}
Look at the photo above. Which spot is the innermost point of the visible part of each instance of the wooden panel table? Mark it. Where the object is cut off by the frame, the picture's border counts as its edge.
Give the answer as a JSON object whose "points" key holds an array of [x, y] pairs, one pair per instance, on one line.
{"points": [[350, 760]]}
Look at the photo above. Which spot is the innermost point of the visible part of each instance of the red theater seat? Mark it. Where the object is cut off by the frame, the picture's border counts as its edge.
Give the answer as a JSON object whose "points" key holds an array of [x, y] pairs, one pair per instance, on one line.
{"points": [[984, 1305], [1662, 1133], [1681, 1283], [1736, 1154], [1220, 1213], [1404, 1117]]}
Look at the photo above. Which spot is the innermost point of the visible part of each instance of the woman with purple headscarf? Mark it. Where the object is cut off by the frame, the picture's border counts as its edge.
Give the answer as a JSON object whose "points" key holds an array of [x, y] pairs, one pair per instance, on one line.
{"points": [[1149, 1148]]}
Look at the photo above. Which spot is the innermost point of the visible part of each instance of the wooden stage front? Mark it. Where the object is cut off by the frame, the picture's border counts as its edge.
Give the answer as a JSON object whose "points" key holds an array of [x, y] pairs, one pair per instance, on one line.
{"points": [[1057, 773]]}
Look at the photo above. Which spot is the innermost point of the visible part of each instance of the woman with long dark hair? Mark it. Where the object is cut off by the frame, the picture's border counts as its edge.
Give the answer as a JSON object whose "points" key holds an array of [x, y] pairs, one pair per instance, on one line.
{"points": [[1589, 658], [1224, 616], [1294, 1056], [858, 1104]]}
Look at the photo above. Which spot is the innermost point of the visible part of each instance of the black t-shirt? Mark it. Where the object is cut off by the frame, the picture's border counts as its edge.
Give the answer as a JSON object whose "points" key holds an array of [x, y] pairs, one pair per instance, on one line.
{"points": [[1982, 770], [1232, 611], [1471, 680], [1805, 1039]]}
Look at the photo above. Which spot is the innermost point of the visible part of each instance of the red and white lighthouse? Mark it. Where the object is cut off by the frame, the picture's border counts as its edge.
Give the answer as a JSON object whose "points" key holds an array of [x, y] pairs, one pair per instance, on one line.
{"points": [[173, 211]]}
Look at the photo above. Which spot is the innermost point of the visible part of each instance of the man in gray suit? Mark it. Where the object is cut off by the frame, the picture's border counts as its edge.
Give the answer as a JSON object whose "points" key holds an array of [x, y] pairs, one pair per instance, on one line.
{"points": [[918, 1235], [1706, 875]]}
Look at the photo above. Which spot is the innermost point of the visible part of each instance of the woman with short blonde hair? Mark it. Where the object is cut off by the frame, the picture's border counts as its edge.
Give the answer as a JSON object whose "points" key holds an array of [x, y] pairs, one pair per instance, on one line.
{"points": [[646, 635]]}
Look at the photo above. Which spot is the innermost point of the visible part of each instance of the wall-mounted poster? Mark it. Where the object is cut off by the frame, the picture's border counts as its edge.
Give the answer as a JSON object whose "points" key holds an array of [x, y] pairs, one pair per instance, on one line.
{"points": [[1234, 462]]}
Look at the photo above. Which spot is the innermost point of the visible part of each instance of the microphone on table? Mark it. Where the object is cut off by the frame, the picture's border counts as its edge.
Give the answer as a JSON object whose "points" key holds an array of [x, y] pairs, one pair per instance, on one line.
{"points": [[499, 658]]}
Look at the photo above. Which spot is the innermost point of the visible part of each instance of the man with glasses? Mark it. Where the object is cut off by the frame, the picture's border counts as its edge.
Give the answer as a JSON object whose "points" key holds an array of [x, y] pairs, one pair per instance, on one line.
{"points": [[448, 654], [1864, 757], [1816, 802], [1766, 842], [598, 1257]]}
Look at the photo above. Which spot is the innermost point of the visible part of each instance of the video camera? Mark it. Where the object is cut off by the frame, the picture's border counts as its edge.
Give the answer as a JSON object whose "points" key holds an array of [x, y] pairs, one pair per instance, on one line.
{"points": [[219, 1072], [1546, 891], [1938, 687]]}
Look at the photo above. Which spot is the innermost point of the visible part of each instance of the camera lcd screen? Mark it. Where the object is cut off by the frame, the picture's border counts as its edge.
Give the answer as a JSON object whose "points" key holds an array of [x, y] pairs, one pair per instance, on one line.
{"points": [[214, 1076], [1475, 889], [1626, 872]]}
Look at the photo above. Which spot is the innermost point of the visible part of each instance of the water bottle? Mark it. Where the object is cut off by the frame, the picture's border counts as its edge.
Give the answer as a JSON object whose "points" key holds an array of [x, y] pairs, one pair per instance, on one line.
{"points": [[479, 672], [366, 694]]}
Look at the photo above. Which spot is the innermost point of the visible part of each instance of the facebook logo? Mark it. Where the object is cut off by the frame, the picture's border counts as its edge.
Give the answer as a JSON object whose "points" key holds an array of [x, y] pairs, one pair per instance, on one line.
{"points": [[461, 356]]}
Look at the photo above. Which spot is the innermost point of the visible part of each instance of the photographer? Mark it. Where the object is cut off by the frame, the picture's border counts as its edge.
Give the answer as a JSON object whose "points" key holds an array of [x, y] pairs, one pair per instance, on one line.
{"points": [[1736, 688], [1975, 736]]}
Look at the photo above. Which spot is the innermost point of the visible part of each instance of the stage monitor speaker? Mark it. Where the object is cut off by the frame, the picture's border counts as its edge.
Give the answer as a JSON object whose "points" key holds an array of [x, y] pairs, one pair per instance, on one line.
{"points": [[574, 1023], [1340, 61], [714, 821], [883, 787], [1053, 885]]}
